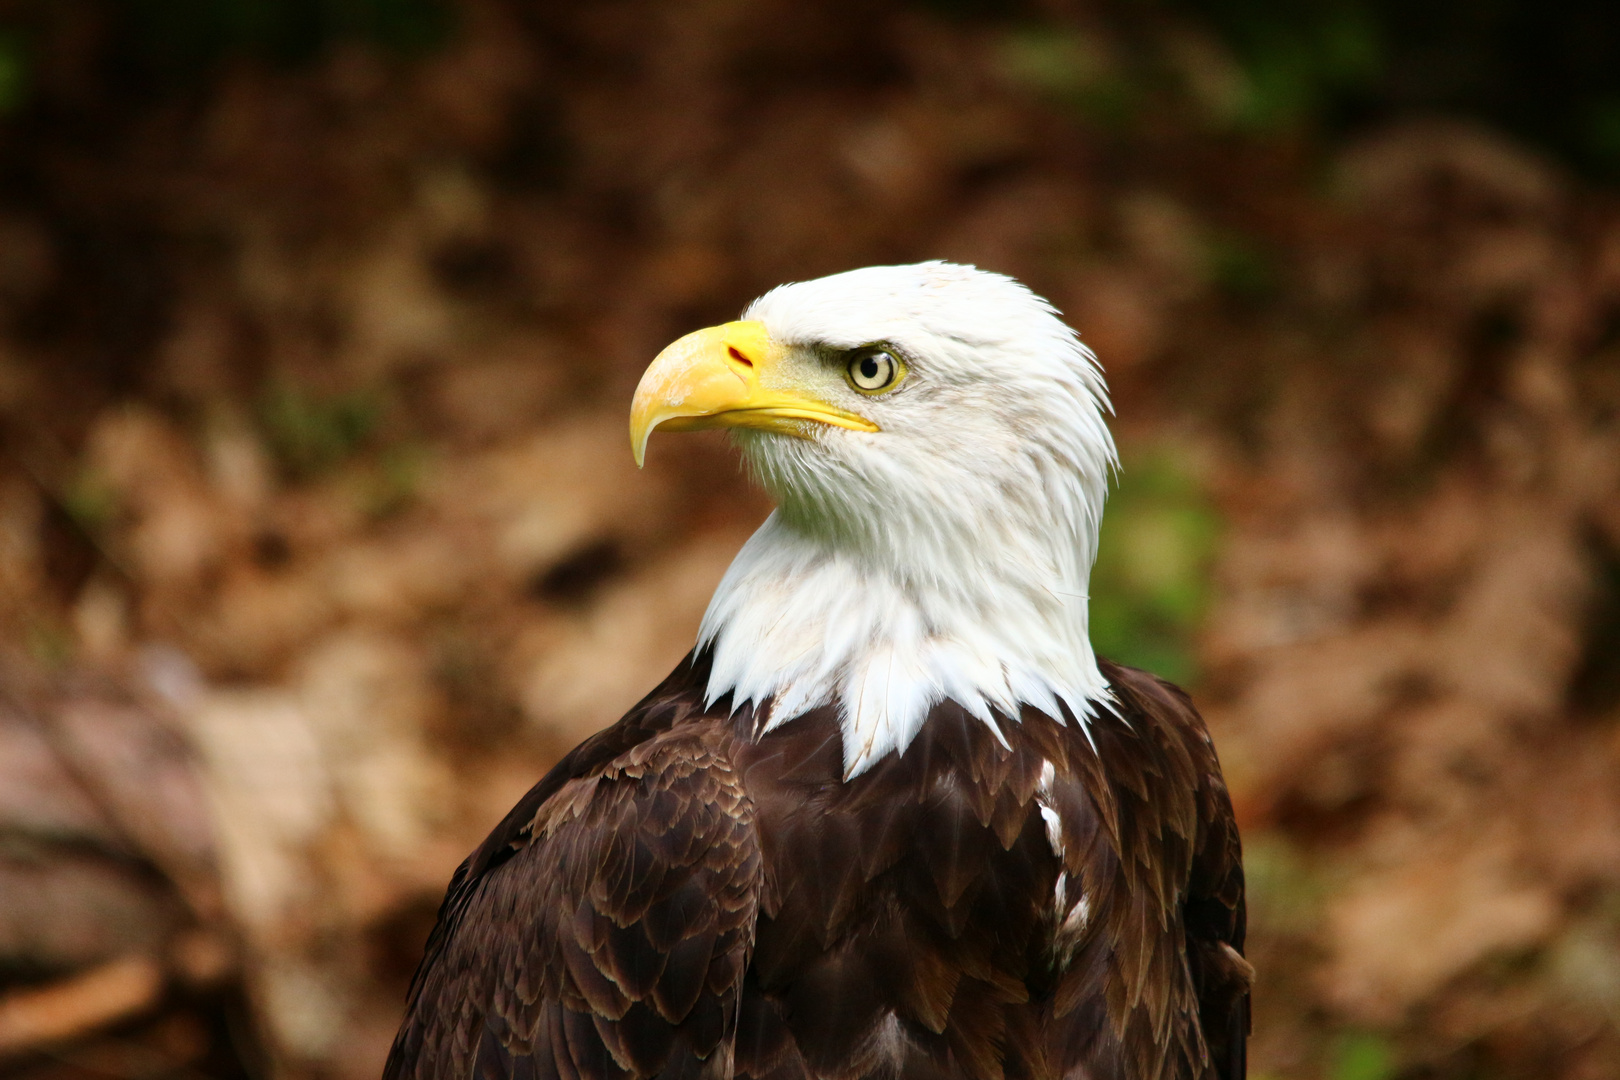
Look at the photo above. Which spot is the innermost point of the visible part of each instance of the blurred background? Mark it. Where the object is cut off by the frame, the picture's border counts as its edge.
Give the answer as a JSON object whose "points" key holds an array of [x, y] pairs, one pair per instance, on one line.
{"points": [[320, 538]]}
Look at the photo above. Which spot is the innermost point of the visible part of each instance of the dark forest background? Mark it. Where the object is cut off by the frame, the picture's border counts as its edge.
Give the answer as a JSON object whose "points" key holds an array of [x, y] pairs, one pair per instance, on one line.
{"points": [[320, 539]]}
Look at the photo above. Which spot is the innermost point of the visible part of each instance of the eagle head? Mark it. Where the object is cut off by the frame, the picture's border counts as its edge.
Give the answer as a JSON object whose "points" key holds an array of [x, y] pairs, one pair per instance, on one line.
{"points": [[934, 439]]}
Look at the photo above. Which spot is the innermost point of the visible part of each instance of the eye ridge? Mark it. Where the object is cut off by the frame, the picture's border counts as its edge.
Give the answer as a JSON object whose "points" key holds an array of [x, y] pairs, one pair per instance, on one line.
{"points": [[873, 371]]}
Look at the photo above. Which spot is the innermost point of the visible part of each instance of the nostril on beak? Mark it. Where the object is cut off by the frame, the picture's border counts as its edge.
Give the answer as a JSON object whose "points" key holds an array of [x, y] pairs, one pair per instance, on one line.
{"points": [[736, 354]]}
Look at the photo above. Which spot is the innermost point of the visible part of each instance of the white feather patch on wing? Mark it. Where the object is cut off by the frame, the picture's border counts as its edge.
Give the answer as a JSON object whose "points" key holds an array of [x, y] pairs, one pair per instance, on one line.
{"points": [[1070, 919]]}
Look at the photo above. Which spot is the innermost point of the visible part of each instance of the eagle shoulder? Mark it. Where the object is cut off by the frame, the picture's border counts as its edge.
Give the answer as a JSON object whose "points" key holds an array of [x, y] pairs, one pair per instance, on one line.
{"points": [[602, 931], [1158, 986]]}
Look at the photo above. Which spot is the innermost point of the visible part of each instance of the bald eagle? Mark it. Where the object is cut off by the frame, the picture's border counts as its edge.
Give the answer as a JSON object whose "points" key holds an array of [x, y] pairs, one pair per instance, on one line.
{"points": [[891, 817]]}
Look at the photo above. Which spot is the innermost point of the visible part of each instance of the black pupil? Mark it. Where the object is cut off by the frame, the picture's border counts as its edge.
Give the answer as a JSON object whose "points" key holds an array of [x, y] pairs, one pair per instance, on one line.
{"points": [[869, 368]]}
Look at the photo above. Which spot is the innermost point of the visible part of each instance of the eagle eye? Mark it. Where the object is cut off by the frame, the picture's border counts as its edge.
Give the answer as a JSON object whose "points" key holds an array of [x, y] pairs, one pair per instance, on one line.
{"points": [[872, 371]]}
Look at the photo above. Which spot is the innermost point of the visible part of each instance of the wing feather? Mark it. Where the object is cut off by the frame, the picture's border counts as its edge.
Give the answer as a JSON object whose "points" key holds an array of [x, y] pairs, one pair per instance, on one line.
{"points": [[1158, 986], [603, 931]]}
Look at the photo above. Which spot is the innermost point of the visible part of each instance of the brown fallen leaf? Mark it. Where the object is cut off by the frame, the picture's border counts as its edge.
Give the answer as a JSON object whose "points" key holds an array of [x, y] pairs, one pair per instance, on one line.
{"points": [[78, 1004]]}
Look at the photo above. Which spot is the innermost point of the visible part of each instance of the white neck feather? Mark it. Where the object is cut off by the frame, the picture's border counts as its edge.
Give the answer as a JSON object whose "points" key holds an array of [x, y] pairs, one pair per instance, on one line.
{"points": [[798, 624]]}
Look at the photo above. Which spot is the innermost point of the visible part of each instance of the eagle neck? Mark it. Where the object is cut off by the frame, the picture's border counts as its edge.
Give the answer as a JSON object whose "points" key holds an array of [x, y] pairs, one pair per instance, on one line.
{"points": [[801, 621]]}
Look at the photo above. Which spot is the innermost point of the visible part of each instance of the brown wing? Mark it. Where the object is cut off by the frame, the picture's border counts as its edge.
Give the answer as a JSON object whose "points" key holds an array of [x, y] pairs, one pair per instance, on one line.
{"points": [[1157, 988], [606, 936]]}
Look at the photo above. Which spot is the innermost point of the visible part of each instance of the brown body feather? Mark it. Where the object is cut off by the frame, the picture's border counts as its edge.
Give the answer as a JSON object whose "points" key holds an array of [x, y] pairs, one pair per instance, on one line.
{"points": [[681, 897]]}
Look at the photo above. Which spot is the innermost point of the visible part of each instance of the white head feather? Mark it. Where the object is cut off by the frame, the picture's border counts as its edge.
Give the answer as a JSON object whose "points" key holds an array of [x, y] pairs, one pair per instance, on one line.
{"points": [[946, 555]]}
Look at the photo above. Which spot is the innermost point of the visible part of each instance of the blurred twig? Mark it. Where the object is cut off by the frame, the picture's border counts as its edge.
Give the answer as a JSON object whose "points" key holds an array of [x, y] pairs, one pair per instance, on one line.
{"points": [[71, 1007]]}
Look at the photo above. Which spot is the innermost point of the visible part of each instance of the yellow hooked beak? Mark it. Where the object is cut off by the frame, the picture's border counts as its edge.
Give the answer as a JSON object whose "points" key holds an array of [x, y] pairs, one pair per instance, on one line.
{"points": [[727, 376]]}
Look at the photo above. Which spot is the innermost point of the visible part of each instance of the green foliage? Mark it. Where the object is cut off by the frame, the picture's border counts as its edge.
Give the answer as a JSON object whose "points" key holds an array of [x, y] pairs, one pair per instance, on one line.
{"points": [[1296, 57], [1239, 266], [1074, 69], [179, 38], [1150, 587], [1291, 61], [1545, 71], [90, 501], [1602, 135], [1361, 1056], [1285, 894], [392, 483], [309, 433], [13, 71], [48, 642], [1582, 957]]}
